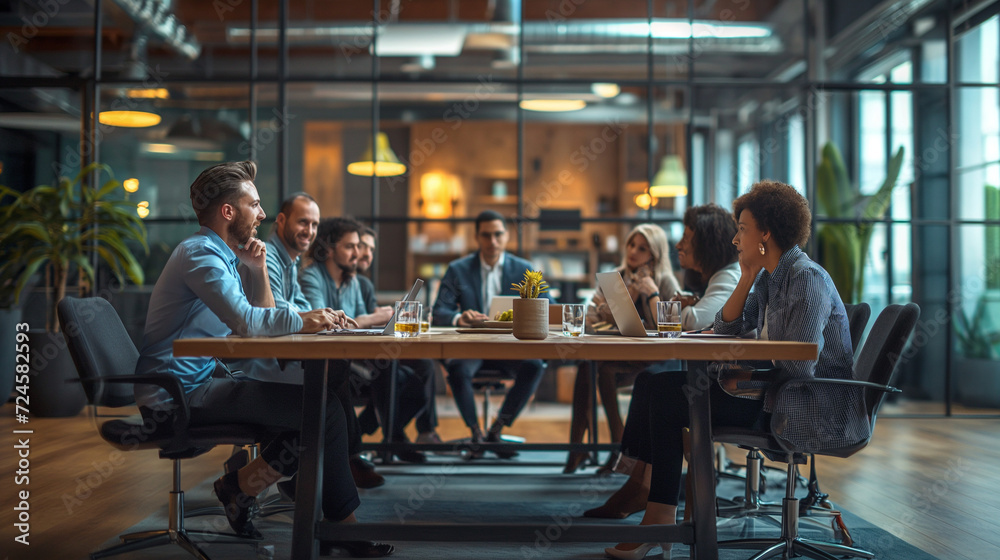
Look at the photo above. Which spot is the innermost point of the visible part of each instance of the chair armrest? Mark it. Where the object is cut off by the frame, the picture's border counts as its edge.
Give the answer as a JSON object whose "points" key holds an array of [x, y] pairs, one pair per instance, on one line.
{"points": [[165, 381], [849, 382]]}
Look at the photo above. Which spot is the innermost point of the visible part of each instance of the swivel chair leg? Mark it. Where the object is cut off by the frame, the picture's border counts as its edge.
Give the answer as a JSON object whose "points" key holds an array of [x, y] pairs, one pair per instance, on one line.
{"points": [[789, 543], [175, 532]]}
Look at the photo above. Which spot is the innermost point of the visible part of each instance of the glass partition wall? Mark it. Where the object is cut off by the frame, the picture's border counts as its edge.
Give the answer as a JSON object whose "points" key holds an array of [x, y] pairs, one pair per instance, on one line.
{"points": [[576, 120]]}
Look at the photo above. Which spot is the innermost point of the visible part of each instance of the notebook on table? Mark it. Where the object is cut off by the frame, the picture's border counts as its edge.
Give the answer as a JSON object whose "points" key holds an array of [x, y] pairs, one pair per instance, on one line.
{"points": [[389, 327]]}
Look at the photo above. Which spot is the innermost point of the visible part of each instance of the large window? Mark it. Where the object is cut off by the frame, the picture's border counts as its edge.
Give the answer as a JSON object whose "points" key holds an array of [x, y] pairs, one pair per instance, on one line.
{"points": [[615, 112]]}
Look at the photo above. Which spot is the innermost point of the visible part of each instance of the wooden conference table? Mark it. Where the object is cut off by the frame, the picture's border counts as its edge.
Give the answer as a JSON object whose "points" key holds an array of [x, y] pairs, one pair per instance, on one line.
{"points": [[447, 344]]}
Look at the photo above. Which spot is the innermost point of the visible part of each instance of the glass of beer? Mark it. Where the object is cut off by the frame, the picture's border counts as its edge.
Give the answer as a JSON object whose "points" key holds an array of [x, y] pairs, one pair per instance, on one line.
{"points": [[408, 318], [573, 317], [668, 318], [425, 320]]}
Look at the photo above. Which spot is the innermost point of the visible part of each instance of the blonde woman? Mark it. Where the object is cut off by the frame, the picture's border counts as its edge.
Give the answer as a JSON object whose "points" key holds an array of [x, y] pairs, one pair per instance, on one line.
{"points": [[649, 278]]}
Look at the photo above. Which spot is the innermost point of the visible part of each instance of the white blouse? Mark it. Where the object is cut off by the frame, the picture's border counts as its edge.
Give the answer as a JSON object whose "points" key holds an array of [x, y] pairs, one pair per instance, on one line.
{"points": [[720, 286]]}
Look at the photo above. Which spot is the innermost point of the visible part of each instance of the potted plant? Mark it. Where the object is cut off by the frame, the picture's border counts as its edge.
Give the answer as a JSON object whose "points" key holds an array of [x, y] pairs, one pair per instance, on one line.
{"points": [[56, 230], [977, 368], [843, 248], [531, 312], [10, 316]]}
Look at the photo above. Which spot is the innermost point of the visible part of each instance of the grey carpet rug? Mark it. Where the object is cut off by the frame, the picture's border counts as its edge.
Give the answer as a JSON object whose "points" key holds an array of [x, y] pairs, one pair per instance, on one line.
{"points": [[499, 493]]}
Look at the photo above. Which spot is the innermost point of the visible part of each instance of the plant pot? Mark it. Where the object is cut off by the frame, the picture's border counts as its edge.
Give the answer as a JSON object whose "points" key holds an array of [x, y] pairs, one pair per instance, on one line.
{"points": [[9, 318], [52, 369], [531, 318]]}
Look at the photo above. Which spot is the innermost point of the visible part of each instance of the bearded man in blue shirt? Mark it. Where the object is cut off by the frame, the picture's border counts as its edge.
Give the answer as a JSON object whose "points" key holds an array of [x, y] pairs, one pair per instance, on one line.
{"points": [[200, 294]]}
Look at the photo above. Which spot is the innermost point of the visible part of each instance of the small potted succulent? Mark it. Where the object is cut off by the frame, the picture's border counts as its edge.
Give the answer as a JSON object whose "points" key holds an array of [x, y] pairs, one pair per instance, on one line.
{"points": [[531, 310]]}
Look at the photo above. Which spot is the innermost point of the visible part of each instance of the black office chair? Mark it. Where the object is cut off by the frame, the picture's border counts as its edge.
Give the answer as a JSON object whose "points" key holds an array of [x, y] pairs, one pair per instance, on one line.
{"points": [[751, 504], [105, 359], [873, 371]]}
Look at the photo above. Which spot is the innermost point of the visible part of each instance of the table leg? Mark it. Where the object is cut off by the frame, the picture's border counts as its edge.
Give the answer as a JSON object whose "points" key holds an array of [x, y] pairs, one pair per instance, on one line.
{"points": [[390, 421], [310, 485], [702, 467], [595, 455]]}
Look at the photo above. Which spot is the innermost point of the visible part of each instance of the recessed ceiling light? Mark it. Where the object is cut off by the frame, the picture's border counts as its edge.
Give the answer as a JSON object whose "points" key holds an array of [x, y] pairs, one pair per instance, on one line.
{"points": [[553, 105], [605, 90]]}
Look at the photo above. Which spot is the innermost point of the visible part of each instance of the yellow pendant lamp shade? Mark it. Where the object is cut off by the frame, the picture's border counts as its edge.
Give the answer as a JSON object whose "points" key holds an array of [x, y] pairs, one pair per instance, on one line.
{"points": [[671, 180], [384, 164], [128, 119]]}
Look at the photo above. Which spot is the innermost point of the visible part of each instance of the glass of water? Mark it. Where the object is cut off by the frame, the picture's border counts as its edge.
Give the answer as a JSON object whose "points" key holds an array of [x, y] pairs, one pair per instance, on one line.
{"points": [[668, 318], [574, 315], [408, 318]]}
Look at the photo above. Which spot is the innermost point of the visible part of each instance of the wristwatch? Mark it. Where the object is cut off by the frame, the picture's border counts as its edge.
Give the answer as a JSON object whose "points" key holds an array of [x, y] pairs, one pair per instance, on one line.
{"points": [[653, 295]]}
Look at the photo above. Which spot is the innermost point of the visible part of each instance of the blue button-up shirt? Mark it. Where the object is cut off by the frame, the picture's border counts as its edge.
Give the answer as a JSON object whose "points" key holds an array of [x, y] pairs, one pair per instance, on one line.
{"points": [[283, 275], [199, 294], [321, 291]]}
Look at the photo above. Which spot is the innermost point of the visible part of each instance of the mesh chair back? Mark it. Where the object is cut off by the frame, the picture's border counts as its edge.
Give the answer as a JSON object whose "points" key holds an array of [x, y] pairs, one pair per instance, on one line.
{"points": [[880, 354], [857, 319], [100, 346]]}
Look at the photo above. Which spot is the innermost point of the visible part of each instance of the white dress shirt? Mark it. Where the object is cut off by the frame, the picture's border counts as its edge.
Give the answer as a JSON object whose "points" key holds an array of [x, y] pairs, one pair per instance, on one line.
{"points": [[492, 276]]}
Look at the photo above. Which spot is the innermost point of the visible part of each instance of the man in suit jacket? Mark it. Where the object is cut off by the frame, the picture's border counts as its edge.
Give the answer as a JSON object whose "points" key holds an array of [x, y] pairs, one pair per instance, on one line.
{"points": [[463, 300]]}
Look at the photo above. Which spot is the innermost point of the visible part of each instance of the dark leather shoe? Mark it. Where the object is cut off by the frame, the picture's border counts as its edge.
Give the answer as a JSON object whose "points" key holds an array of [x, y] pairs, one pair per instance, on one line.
{"points": [[475, 450], [237, 505], [494, 437], [365, 477], [363, 463], [286, 488], [357, 549], [411, 456]]}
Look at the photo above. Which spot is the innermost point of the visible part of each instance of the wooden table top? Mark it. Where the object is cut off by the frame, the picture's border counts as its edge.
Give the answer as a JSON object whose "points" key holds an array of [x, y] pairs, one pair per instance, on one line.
{"points": [[447, 344]]}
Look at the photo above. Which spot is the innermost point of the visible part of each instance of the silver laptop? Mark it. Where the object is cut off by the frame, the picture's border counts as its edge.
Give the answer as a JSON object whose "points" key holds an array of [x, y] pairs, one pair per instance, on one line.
{"points": [[621, 304], [499, 304], [390, 326]]}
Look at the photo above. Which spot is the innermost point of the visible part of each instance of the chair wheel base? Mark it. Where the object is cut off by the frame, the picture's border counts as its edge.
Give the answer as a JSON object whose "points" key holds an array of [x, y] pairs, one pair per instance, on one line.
{"points": [[184, 539]]}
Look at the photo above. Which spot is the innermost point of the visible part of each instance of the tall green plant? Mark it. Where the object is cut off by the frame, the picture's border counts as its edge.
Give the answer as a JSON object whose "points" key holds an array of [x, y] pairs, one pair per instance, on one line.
{"points": [[59, 227], [977, 338], [843, 247]]}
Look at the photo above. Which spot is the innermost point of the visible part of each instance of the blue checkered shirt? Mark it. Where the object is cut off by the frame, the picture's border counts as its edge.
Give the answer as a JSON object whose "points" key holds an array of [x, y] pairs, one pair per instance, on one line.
{"points": [[802, 304]]}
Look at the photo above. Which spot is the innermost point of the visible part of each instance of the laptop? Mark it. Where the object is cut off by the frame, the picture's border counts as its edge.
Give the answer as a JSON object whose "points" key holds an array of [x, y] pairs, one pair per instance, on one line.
{"points": [[621, 304], [390, 327], [499, 304]]}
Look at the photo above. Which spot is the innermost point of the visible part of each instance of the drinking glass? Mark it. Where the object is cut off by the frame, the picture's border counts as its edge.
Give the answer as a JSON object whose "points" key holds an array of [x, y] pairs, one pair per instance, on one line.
{"points": [[425, 320], [408, 318], [668, 318], [573, 317]]}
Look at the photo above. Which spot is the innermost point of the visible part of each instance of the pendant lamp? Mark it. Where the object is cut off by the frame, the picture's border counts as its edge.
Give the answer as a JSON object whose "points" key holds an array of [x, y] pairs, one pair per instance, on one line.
{"points": [[383, 164], [671, 180]]}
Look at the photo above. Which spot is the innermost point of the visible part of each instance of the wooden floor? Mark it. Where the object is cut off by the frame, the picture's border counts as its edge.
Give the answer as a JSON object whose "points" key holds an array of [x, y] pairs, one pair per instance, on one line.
{"points": [[928, 481]]}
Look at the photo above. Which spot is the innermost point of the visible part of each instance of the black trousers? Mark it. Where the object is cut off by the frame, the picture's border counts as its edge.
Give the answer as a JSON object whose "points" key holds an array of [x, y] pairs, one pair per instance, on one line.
{"points": [[414, 396], [657, 414], [278, 406]]}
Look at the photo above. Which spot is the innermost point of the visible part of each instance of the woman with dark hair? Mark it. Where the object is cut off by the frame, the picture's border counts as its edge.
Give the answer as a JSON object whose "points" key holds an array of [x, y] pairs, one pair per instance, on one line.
{"points": [[781, 295], [707, 253]]}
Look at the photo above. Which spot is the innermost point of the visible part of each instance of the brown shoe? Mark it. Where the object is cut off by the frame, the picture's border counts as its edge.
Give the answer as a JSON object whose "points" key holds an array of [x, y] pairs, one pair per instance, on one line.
{"points": [[364, 475]]}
